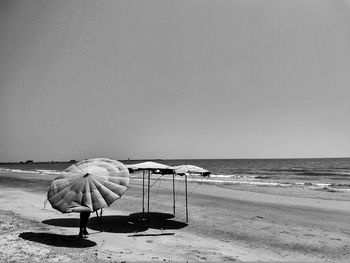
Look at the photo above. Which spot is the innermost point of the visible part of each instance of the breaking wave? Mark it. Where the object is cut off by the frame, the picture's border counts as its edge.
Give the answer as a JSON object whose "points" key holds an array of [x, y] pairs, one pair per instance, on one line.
{"points": [[37, 171]]}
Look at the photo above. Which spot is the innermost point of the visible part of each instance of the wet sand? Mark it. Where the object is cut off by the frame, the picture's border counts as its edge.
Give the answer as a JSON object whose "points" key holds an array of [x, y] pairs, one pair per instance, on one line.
{"points": [[232, 225]]}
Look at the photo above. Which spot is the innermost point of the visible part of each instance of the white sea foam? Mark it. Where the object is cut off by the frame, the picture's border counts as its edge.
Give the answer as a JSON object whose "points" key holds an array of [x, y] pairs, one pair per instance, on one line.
{"points": [[236, 176], [341, 189], [39, 171], [300, 183], [321, 185], [226, 182], [48, 171], [223, 175], [23, 171]]}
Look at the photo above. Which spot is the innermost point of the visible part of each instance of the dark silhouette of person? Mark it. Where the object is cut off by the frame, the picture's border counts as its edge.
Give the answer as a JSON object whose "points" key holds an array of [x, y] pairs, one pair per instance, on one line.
{"points": [[84, 218]]}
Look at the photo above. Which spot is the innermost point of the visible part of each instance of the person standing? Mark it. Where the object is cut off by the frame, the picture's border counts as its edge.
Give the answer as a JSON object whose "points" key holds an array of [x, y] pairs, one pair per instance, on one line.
{"points": [[84, 218]]}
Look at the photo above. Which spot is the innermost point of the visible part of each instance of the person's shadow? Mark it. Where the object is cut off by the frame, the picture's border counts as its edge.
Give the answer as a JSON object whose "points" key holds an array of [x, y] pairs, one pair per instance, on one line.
{"points": [[57, 240], [137, 222]]}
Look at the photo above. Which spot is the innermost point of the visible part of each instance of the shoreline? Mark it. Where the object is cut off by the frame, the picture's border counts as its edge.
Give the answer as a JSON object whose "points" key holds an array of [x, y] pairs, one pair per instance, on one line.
{"points": [[291, 191]]}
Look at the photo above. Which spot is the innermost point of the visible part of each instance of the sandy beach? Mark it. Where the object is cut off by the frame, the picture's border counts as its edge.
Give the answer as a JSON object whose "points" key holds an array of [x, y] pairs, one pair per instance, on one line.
{"points": [[247, 100], [232, 225]]}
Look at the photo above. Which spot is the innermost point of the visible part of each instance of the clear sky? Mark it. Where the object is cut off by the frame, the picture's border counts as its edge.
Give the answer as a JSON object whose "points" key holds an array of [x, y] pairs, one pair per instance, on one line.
{"points": [[174, 79]]}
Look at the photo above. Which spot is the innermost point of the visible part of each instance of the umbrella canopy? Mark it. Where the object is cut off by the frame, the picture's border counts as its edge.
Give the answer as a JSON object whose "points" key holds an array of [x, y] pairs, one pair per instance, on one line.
{"points": [[190, 169], [151, 166], [88, 185]]}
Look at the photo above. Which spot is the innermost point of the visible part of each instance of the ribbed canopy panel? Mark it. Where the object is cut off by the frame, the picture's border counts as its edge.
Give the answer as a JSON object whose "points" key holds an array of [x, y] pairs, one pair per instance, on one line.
{"points": [[88, 185]]}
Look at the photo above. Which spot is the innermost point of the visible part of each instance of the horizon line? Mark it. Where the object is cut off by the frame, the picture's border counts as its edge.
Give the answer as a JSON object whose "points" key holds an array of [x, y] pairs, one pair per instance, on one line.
{"points": [[161, 159]]}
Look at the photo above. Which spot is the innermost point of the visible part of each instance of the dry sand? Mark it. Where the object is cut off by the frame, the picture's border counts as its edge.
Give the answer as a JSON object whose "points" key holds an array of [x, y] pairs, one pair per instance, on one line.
{"points": [[225, 225]]}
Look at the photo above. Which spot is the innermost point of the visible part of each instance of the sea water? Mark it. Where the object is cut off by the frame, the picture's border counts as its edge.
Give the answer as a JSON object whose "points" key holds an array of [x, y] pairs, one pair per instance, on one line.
{"points": [[330, 173], [326, 173]]}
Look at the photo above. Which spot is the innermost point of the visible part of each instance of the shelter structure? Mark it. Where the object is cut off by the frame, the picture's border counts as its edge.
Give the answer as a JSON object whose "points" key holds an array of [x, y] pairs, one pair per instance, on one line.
{"points": [[187, 169], [190, 169], [153, 167], [150, 167]]}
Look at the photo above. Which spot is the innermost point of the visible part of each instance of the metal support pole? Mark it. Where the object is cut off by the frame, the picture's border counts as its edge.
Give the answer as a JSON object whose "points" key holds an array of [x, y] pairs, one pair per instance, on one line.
{"points": [[186, 198], [100, 219], [143, 193], [174, 192], [149, 175]]}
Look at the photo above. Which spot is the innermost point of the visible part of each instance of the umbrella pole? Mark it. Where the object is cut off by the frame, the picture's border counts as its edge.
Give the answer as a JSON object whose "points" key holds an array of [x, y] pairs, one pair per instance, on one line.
{"points": [[174, 192], [143, 194], [149, 175], [186, 198], [99, 217]]}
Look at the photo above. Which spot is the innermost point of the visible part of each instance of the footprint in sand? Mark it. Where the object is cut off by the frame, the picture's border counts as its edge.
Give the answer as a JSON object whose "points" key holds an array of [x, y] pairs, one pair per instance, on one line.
{"points": [[309, 235], [284, 232]]}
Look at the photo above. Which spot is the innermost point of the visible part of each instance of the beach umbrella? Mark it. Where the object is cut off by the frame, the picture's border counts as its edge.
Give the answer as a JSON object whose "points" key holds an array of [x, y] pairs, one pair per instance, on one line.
{"points": [[149, 166], [88, 185], [187, 169], [190, 169]]}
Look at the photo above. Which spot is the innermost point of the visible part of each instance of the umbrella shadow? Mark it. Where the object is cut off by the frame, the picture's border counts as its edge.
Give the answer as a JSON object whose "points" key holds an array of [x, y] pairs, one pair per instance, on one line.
{"points": [[151, 216], [136, 222], [157, 220], [115, 224], [57, 240]]}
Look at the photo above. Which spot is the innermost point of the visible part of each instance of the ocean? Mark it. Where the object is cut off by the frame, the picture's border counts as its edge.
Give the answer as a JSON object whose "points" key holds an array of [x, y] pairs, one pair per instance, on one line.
{"points": [[332, 174]]}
